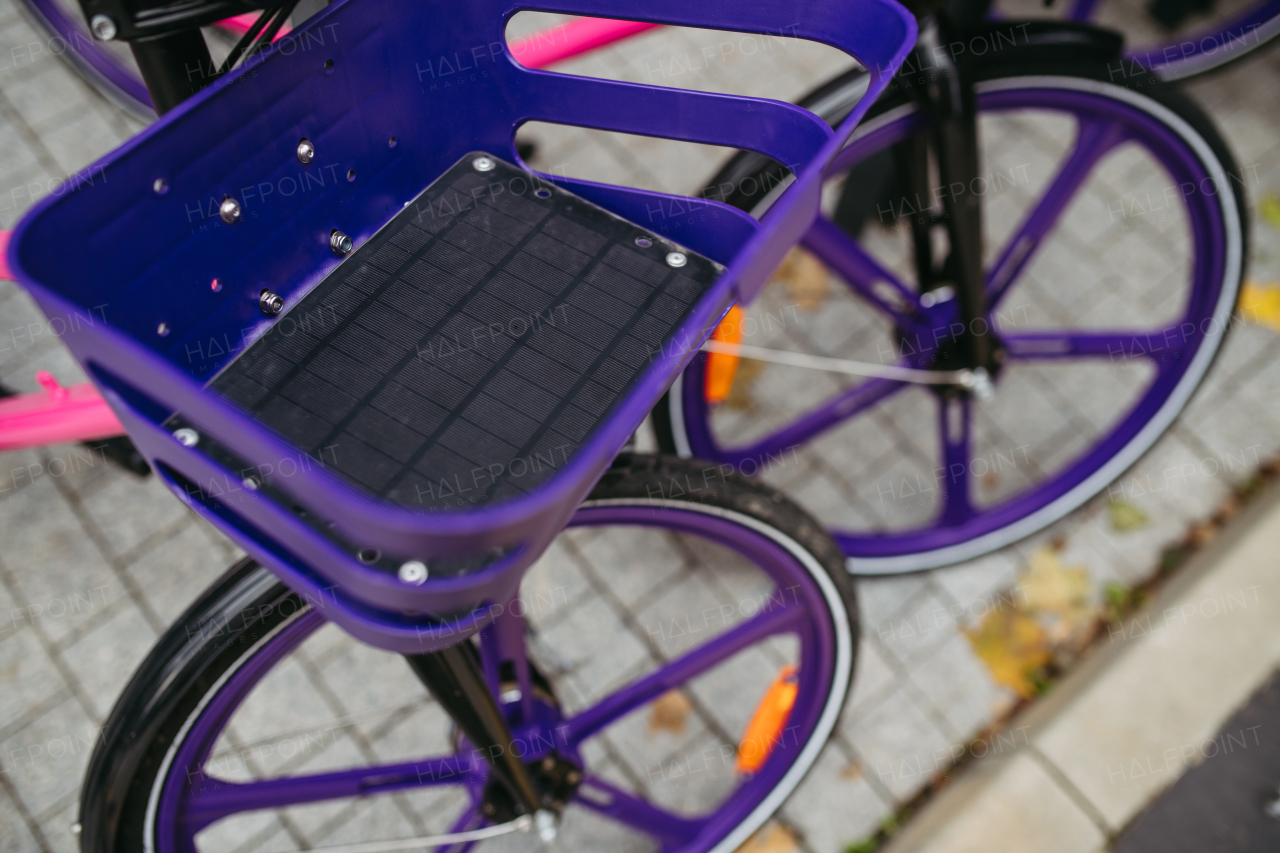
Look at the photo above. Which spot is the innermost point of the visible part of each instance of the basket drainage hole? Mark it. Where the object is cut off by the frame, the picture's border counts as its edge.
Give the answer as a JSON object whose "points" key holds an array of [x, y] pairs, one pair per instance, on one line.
{"points": [[368, 555], [351, 174], [328, 66], [542, 193], [644, 242], [391, 143]]}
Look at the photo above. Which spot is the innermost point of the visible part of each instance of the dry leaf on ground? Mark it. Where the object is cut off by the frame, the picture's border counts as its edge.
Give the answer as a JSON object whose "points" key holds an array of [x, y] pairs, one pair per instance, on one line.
{"points": [[670, 710], [1059, 594], [806, 279], [1013, 646], [1126, 516], [1260, 303], [770, 838], [740, 397]]}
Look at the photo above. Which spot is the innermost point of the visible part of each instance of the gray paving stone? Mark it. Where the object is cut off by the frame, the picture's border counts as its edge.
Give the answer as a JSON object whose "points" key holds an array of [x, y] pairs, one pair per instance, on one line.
{"points": [[55, 566], [171, 575], [46, 759], [872, 677], [14, 834], [899, 744], [27, 675], [103, 656], [961, 689], [917, 630], [128, 510], [835, 806]]}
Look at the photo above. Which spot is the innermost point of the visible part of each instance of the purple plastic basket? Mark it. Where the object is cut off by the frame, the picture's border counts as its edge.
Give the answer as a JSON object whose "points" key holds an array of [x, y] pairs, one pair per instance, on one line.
{"points": [[139, 242]]}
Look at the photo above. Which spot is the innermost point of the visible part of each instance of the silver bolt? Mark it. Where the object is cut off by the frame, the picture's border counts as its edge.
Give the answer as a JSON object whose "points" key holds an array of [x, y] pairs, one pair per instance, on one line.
{"points": [[229, 210], [306, 151], [187, 437], [340, 243], [414, 572], [270, 303], [483, 164], [676, 259], [938, 296], [547, 824], [103, 27], [75, 829], [1272, 807]]}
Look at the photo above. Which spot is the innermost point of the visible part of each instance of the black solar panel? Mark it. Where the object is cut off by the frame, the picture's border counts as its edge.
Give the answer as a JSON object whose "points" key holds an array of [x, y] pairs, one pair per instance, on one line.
{"points": [[463, 354]]}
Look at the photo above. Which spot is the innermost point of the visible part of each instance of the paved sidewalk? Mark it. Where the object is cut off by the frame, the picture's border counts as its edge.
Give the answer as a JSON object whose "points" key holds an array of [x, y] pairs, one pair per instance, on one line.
{"points": [[1146, 707], [94, 563]]}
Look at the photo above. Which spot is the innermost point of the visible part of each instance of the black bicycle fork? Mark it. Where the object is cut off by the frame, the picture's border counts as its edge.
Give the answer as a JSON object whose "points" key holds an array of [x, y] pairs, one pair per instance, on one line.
{"points": [[942, 84]]}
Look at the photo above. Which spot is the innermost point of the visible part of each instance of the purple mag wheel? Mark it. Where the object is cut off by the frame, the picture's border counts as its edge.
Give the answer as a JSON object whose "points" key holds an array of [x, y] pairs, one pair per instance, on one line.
{"points": [[1115, 244], [654, 627]]}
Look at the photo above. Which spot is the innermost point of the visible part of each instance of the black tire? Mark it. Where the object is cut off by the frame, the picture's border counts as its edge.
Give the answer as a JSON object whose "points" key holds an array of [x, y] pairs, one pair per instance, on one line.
{"points": [[219, 631]]}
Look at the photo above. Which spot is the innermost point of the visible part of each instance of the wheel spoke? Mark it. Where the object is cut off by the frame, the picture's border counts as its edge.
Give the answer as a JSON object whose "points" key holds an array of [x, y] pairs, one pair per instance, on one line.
{"points": [[1094, 139], [636, 813], [953, 429], [864, 274], [847, 404], [213, 799], [1115, 345], [773, 620]]}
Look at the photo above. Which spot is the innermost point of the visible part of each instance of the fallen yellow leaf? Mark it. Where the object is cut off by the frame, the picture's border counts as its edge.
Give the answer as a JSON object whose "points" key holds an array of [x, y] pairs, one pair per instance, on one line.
{"points": [[805, 278], [770, 838], [1260, 303], [1126, 516], [1269, 209], [740, 397], [1060, 594], [1013, 646], [670, 711]]}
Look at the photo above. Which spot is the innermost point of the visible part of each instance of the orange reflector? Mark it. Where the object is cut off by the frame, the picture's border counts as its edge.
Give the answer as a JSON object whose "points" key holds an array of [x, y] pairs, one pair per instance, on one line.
{"points": [[721, 368], [764, 731]]}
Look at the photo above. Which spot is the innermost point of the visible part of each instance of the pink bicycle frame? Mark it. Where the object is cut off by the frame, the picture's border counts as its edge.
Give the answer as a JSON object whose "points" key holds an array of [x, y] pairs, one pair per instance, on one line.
{"points": [[79, 413]]}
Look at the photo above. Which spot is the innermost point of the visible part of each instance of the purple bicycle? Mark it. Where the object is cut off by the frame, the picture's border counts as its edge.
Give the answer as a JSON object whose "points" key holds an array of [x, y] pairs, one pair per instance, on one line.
{"points": [[398, 370]]}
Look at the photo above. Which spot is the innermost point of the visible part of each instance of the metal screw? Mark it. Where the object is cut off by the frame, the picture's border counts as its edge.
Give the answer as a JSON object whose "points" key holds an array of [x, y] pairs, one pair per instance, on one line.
{"points": [[162, 330], [306, 151], [414, 572], [270, 303], [160, 186], [103, 27], [483, 164], [187, 437], [75, 829], [676, 259], [251, 483], [229, 210], [340, 243], [1272, 807]]}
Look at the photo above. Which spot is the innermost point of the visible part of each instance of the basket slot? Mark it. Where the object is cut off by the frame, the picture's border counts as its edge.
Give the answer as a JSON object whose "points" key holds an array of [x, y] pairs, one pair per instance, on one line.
{"points": [[787, 133]]}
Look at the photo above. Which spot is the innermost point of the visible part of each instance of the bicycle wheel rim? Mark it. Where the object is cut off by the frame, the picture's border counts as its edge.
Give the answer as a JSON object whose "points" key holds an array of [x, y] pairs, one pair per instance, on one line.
{"points": [[115, 80], [1212, 46], [827, 652], [1217, 273]]}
